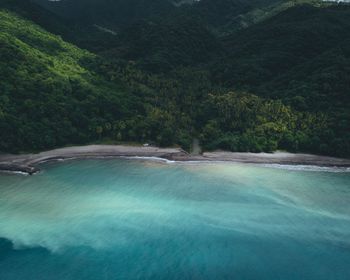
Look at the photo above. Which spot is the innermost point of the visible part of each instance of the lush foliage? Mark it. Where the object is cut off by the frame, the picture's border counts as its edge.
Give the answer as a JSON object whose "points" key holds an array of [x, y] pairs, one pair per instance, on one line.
{"points": [[47, 97], [242, 77]]}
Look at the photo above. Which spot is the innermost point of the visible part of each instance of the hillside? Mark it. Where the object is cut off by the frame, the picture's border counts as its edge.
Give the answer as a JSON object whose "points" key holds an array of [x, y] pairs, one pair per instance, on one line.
{"points": [[116, 14], [278, 83], [300, 56], [48, 97], [108, 14]]}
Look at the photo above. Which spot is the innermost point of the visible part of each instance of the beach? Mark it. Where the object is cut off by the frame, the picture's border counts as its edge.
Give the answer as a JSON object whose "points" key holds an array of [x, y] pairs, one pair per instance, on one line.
{"points": [[29, 163]]}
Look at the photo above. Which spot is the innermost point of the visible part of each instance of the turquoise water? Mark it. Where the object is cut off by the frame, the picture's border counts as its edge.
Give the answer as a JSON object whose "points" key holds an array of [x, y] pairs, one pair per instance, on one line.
{"points": [[128, 219]]}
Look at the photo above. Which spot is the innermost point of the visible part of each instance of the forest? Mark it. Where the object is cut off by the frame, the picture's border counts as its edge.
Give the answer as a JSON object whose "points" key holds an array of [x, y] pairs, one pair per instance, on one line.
{"points": [[248, 76]]}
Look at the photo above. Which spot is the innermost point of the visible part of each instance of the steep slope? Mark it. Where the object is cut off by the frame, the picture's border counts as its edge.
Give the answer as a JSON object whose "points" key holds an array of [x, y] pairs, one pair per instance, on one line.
{"points": [[300, 56], [160, 46], [280, 83], [274, 47], [223, 14], [48, 97], [219, 15], [87, 36], [257, 12], [37, 14], [108, 14]]}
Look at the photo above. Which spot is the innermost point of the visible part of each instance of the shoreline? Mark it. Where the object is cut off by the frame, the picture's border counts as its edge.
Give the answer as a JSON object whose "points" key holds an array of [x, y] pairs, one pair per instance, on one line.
{"points": [[28, 163]]}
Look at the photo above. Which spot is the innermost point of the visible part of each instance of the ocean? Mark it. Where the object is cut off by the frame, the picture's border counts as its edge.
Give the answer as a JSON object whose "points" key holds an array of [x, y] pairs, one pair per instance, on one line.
{"points": [[150, 219]]}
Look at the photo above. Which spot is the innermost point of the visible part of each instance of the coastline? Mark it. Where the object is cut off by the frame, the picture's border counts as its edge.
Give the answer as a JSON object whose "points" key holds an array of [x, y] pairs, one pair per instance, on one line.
{"points": [[28, 163]]}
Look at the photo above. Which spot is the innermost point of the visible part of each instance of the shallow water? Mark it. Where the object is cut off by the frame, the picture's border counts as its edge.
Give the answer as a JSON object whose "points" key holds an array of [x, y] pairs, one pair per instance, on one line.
{"points": [[127, 219]]}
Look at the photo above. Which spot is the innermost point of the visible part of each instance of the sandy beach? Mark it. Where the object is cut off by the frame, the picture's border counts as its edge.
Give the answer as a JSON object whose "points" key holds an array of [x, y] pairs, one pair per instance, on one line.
{"points": [[28, 163]]}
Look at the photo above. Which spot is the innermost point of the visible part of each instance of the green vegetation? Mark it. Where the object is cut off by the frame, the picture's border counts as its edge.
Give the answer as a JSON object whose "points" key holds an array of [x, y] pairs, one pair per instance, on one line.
{"points": [[47, 96], [259, 77], [302, 57]]}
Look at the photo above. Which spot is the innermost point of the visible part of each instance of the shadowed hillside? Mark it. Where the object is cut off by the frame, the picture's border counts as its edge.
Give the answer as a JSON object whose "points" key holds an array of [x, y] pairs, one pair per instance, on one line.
{"points": [[168, 74]]}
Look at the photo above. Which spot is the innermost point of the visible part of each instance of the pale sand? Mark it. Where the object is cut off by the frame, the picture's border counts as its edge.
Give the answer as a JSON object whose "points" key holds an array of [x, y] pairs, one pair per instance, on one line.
{"points": [[28, 163]]}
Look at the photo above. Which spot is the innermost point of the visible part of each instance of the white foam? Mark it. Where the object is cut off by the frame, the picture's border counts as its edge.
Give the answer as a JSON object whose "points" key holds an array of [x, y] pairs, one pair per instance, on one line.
{"points": [[15, 172], [313, 168], [149, 158]]}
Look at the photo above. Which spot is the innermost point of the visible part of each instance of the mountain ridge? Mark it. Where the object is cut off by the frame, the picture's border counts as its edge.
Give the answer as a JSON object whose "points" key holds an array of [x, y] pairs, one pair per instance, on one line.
{"points": [[279, 83]]}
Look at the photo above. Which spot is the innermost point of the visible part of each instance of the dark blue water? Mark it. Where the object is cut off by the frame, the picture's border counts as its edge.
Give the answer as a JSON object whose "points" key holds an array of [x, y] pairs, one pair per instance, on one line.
{"points": [[123, 219]]}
